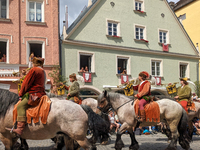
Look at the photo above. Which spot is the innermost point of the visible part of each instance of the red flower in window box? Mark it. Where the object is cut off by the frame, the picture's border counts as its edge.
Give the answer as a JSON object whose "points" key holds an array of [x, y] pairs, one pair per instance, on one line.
{"points": [[140, 11], [116, 36], [144, 40]]}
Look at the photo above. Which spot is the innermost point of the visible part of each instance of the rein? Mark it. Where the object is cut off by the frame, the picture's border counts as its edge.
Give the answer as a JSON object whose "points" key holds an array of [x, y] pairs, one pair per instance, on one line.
{"points": [[125, 104]]}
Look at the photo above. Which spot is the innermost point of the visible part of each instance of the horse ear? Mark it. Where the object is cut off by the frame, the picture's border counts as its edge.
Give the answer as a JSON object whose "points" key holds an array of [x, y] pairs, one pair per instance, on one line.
{"points": [[105, 93]]}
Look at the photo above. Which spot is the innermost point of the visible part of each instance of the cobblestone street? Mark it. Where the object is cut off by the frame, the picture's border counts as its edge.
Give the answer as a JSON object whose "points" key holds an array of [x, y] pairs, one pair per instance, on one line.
{"points": [[146, 142]]}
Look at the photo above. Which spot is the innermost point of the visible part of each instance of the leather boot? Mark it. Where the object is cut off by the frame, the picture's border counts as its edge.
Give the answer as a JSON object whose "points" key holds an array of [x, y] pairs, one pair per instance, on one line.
{"points": [[20, 128], [142, 116]]}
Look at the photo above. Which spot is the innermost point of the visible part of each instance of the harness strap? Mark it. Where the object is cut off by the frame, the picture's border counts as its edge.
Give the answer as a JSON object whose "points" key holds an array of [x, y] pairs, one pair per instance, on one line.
{"points": [[125, 103]]}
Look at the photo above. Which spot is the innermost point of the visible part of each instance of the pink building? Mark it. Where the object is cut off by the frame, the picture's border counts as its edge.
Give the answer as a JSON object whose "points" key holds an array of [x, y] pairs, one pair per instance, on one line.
{"points": [[27, 26]]}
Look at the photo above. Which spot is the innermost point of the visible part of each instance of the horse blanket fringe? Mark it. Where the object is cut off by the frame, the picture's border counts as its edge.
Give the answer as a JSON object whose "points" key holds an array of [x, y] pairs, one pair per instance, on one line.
{"points": [[40, 111], [152, 111]]}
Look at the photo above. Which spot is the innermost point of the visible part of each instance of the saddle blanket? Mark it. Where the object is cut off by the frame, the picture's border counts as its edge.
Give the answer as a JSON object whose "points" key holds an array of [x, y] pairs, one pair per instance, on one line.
{"points": [[40, 111], [152, 111]]}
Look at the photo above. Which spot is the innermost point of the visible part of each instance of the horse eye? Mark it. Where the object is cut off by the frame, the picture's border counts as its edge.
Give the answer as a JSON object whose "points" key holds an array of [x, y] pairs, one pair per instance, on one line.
{"points": [[102, 101]]}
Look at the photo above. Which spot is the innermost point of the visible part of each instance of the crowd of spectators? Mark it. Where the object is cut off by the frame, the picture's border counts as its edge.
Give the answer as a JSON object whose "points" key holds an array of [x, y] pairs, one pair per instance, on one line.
{"points": [[121, 71], [84, 69]]}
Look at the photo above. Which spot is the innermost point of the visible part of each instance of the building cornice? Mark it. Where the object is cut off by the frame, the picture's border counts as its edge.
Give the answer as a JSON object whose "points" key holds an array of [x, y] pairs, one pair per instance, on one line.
{"points": [[128, 49]]}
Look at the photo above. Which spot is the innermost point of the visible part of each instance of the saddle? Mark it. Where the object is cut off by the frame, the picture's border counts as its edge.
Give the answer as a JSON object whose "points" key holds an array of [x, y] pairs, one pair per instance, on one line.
{"points": [[190, 105], [34, 113], [152, 111]]}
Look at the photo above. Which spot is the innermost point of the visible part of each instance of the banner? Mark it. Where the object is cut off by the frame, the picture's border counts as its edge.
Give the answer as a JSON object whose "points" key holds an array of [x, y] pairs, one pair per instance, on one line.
{"points": [[171, 89], [87, 77], [124, 79]]}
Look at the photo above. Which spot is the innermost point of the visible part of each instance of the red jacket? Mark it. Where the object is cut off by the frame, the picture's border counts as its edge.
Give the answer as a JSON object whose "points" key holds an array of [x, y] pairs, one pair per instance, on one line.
{"points": [[34, 83], [144, 89]]}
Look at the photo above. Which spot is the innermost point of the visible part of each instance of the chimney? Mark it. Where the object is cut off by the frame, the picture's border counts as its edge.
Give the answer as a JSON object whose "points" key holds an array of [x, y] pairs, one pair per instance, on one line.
{"points": [[66, 16], [172, 4], [89, 3]]}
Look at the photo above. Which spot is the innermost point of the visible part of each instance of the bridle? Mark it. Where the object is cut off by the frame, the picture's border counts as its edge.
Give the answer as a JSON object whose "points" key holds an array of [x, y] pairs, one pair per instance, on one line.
{"points": [[106, 109]]}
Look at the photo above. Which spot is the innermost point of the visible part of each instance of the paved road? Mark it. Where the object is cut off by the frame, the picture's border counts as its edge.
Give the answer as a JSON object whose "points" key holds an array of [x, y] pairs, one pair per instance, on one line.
{"points": [[146, 142]]}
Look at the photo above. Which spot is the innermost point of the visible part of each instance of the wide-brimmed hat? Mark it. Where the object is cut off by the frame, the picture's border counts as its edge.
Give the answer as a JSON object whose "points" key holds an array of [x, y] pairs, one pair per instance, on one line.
{"points": [[38, 61], [145, 73], [183, 79], [73, 76]]}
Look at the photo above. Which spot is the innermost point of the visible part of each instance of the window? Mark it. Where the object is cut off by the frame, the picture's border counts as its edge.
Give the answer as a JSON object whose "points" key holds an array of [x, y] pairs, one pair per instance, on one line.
{"points": [[3, 49], [3, 8], [35, 11], [113, 28], [156, 68], [184, 71], [139, 5], [86, 61], [139, 33], [123, 65], [36, 49], [163, 37]]}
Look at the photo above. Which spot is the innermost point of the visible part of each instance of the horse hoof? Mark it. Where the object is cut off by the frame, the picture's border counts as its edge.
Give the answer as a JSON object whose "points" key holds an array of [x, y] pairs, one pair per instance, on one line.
{"points": [[134, 147], [104, 142]]}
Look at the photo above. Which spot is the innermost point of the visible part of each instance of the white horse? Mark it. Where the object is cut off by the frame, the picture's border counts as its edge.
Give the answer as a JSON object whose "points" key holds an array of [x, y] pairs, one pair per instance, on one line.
{"points": [[171, 113], [64, 116]]}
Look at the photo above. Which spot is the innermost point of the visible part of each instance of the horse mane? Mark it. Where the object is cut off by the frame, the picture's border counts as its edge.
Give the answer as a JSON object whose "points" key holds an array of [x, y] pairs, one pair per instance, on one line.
{"points": [[7, 99]]}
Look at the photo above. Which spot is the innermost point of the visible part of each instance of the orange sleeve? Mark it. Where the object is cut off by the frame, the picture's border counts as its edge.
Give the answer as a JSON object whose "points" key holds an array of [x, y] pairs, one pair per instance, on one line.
{"points": [[145, 90], [28, 81]]}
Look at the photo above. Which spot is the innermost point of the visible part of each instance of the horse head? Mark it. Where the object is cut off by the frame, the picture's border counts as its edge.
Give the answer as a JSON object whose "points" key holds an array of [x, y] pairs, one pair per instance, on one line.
{"points": [[104, 102]]}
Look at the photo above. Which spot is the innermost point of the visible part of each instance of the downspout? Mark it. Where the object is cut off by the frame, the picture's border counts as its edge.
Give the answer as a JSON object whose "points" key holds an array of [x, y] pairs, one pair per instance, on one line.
{"points": [[20, 32], [198, 79], [60, 41]]}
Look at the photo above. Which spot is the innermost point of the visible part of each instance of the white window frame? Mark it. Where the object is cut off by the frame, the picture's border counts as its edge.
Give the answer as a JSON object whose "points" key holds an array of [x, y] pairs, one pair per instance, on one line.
{"points": [[167, 35], [139, 1], [128, 58], [7, 9], [161, 67], [7, 49], [144, 31], [113, 22], [187, 69], [92, 59], [27, 9], [28, 49]]}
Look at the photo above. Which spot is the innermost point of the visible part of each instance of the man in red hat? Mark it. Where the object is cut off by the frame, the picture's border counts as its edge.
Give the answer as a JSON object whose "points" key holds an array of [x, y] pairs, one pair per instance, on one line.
{"points": [[144, 92], [33, 84]]}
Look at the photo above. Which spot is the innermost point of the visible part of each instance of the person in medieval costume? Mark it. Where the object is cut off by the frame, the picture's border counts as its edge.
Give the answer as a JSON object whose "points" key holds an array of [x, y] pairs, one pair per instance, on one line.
{"points": [[144, 92], [74, 89], [183, 93], [32, 86]]}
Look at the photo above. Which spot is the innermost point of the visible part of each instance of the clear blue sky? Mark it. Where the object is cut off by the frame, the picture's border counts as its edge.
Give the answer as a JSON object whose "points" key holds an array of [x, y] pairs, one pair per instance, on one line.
{"points": [[74, 9]]}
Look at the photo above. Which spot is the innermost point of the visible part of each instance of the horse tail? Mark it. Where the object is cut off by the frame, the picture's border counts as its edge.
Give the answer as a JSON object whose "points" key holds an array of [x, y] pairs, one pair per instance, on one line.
{"points": [[184, 139], [96, 123]]}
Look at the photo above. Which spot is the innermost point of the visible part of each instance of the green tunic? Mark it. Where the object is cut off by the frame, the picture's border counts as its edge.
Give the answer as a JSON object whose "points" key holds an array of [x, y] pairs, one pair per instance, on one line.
{"points": [[184, 93], [74, 90]]}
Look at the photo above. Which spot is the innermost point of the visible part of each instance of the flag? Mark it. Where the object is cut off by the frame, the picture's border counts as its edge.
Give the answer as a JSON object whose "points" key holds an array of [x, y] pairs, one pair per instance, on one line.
{"points": [[87, 77], [165, 47]]}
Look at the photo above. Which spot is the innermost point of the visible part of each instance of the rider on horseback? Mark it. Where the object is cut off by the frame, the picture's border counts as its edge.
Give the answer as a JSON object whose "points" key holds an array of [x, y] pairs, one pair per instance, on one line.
{"points": [[73, 93], [32, 86], [183, 93], [144, 93]]}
